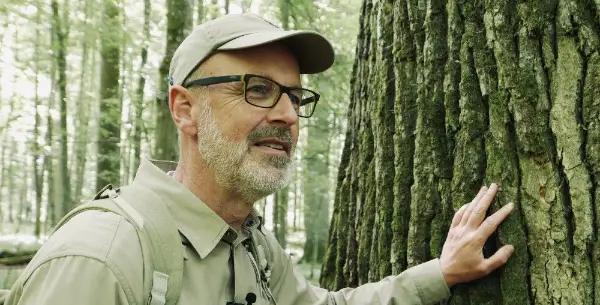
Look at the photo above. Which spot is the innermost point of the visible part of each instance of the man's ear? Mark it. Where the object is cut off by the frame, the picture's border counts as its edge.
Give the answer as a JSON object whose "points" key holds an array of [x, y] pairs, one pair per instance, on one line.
{"points": [[180, 104]]}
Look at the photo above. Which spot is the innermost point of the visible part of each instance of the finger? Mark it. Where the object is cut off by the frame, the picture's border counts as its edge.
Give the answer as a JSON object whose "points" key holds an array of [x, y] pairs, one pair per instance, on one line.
{"points": [[480, 208], [491, 223], [470, 205], [458, 216], [498, 259]]}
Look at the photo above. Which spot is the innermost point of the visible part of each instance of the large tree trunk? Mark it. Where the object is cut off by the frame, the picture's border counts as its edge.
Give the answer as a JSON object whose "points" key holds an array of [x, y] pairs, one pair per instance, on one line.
{"points": [[108, 168], [448, 97], [179, 23]]}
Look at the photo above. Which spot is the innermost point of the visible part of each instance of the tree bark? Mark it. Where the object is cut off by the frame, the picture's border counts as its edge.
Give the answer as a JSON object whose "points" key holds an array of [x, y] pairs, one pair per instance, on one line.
{"points": [[449, 96]]}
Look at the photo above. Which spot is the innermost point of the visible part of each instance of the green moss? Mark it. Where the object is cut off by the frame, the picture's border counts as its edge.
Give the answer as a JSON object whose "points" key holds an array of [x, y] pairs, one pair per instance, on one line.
{"points": [[591, 126], [535, 15], [452, 78], [403, 139], [383, 130], [503, 168], [366, 225], [591, 114], [565, 123]]}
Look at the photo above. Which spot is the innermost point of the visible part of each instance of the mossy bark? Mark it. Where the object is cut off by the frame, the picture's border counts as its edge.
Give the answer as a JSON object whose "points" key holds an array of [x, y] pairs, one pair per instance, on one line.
{"points": [[449, 96]]}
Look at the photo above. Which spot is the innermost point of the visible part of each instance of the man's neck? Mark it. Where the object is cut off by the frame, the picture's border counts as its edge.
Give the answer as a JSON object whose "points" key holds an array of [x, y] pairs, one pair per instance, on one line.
{"points": [[229, 206]]}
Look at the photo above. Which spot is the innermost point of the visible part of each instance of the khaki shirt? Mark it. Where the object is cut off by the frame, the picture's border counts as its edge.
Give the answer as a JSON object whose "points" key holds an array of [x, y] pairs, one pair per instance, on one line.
{"points": [[91, 258]]}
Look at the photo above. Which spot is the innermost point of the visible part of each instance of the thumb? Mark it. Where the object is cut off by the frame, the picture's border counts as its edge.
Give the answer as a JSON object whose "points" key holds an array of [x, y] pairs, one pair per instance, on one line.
{"points": [[499, 258]]}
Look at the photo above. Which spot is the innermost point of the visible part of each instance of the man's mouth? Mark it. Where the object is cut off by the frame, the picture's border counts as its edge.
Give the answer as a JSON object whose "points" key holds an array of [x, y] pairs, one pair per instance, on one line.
{"points": [[274, 144]]}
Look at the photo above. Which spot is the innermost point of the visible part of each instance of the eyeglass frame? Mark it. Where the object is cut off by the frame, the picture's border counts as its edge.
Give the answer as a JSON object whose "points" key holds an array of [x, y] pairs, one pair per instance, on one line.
{"points": [[214, 80]]}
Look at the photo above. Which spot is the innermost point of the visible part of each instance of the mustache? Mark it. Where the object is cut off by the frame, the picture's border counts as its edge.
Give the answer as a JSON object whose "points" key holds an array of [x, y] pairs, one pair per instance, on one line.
{"points": [[280, 133]]}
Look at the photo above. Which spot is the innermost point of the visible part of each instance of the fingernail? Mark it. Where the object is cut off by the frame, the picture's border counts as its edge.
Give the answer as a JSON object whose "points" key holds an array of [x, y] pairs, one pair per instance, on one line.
{"points": [[511, 205]]}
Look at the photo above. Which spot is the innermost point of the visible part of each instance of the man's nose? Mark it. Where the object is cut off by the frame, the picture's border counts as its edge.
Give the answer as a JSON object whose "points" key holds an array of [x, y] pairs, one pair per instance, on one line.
{"points": [[283, 112]]}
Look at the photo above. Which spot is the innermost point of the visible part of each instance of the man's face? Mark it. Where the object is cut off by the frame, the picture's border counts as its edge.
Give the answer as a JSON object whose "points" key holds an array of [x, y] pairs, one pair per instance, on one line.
{"points": [[248, 149]]}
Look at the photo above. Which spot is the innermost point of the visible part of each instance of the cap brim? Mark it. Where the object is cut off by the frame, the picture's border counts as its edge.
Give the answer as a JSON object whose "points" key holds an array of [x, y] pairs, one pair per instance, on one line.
{"points": [[313, 52]]}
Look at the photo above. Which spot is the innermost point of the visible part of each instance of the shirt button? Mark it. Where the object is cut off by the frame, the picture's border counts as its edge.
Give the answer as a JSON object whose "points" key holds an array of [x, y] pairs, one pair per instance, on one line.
{"points": [[230, 236]]}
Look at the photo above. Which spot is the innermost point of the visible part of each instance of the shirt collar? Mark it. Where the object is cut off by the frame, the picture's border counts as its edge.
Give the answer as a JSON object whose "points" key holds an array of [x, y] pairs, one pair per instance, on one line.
{"points": [[200, 225]]}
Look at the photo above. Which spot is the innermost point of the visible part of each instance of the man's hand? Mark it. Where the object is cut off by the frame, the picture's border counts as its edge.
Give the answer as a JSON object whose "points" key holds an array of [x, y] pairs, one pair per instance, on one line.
{"points": [[462, 257]]}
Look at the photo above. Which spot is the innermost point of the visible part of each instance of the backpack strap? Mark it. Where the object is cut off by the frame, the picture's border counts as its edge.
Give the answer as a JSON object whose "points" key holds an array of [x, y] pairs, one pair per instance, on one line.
{"points": [[165, 242], [162, 249]]}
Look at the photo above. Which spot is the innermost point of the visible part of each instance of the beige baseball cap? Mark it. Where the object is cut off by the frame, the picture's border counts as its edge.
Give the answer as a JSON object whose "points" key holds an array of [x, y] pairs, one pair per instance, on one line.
{"points": [[239, 31]]}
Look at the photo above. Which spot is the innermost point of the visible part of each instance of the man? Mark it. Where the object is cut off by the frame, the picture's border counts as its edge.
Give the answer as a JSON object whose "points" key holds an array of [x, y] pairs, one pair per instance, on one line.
{"points": [[236, 99]]}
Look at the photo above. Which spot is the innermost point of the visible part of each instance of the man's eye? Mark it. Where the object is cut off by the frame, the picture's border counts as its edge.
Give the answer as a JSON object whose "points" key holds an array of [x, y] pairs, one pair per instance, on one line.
{"points": [[260, 89], [295, 99]]}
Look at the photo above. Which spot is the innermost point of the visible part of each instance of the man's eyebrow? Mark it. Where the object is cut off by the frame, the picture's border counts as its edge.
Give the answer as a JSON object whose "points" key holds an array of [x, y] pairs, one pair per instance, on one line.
{"points": [[267, 76]]}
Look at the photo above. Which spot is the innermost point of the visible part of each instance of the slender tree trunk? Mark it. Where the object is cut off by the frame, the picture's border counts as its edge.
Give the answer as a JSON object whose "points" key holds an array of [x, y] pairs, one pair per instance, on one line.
{"points": [[200, 11], [38, 175], [284, 11], [295, 205], [7, 150], [59, 43], [139, 101], [24, 210], [3, 178], [280, 208], [108, 169], [3, 133], [82, 119], [214, 10], [246, 5], [11, 182], [471, 93], [49, 162], [10, 144], [179, 23]]}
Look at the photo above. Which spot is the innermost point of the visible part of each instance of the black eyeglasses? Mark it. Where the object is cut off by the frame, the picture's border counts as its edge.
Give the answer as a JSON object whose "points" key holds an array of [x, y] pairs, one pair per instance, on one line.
{"points": [[266, 93]]}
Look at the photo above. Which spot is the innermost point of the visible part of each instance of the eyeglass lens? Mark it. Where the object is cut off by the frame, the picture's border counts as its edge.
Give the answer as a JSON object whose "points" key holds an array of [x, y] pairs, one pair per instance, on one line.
{"points": [[263, 92]]}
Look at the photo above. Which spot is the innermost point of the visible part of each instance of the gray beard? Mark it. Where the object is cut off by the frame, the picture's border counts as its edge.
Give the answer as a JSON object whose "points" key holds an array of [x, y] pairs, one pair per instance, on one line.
{"points": [[251, 176]]}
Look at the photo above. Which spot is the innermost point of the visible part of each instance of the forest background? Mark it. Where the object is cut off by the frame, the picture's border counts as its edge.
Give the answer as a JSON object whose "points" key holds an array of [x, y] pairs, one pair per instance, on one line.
{"points": [[82, 86], [427, 101]]}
